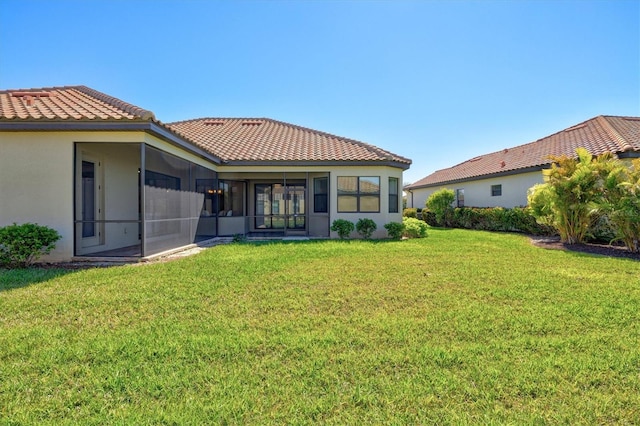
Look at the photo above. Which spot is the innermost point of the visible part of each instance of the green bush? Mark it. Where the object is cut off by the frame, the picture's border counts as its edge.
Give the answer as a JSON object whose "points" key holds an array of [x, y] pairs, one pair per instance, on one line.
{"points": [[414, 228], [429, 217], [410, 212], [21, 245], [621, 203], [366, 227], [440, 203], [517, 219], [394, 229], [239, 238], [343, 227]]}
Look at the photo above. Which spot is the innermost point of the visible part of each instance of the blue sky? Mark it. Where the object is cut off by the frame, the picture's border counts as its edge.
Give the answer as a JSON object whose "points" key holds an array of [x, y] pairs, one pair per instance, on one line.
{"points": [[436, 81]]}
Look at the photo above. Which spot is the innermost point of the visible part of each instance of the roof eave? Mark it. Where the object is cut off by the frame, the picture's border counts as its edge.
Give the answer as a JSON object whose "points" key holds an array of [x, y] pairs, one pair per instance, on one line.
{"points": [[308, 163], [629, 154]]}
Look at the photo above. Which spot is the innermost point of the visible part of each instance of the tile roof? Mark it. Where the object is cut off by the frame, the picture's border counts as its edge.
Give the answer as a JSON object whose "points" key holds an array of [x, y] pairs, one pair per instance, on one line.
{"points": [[66, 103], [242, 140], [598, 135], [263, 139]]}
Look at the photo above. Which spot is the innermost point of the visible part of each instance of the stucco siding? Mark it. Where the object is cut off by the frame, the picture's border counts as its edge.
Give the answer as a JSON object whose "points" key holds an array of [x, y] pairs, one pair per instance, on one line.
{"points": [[36, 185], [381, 218], [37, 182], [477, 193]]}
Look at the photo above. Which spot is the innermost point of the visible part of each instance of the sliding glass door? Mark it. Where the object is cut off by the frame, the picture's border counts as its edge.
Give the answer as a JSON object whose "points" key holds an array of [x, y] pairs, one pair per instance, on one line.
{"points": [[280, 207]]}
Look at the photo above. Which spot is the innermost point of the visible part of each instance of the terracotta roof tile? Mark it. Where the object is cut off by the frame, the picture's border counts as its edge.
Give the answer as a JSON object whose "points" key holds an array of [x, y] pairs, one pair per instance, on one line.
{"points": [[66, 103], [263, 139], [230, 139], [598, 135]]}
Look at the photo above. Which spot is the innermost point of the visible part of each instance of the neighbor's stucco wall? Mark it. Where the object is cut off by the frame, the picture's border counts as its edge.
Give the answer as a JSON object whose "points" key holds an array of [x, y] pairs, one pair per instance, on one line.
{"points": [[478, 193]]}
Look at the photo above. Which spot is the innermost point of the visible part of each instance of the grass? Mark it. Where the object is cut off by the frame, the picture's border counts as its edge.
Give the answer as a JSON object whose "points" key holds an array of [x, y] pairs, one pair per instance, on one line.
{"points": [[463, 327]]}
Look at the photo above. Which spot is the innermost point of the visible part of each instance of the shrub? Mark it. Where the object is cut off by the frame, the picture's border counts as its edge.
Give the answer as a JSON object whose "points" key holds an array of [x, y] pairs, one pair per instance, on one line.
{"points": [[365, 227], [239, 238], [394, 229], [517, 219], [343, 227], [440, 203], [414, 228], [429, 217], [410, 212], [622, 203], [21, 245]]}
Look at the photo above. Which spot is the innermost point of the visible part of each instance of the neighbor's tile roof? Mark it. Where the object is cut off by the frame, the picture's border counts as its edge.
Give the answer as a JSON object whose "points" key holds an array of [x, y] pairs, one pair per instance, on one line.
{"points": [[263, 139], [598, 135], [66, 103]]}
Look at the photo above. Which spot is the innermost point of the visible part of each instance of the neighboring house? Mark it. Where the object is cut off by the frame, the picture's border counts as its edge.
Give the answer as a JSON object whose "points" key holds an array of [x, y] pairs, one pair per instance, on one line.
{"points": [[115, 181], [502, 178]]}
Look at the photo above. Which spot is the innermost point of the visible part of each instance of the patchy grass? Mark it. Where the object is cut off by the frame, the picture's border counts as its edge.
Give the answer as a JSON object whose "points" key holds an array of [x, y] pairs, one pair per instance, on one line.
{"points": [[461, 327]]}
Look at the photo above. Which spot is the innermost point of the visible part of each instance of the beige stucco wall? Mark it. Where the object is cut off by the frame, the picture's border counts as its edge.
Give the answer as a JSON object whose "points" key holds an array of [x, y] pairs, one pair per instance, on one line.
{"points": [[36, 179], [37, 182], [381, 218], [478, 193]]}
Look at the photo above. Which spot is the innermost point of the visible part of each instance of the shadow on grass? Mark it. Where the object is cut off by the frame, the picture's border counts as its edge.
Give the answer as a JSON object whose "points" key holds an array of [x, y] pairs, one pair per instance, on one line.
{"points": [[11, 279]]}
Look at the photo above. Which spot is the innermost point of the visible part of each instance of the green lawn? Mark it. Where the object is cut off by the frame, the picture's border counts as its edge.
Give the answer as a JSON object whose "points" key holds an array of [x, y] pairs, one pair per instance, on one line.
{"points": [[462, 327]]}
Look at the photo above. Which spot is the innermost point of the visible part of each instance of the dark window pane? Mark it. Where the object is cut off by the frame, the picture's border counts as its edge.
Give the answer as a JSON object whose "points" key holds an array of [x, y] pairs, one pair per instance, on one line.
{"points": [[321, 195], [393, 195]]}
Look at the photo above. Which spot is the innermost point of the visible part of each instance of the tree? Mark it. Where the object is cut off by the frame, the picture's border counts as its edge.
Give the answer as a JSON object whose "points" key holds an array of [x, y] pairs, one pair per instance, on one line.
{"points": [[572, 194]]}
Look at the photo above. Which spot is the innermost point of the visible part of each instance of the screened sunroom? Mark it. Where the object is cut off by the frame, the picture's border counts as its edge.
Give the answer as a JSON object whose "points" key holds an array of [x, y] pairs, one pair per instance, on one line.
{"points": [[134, 200]]}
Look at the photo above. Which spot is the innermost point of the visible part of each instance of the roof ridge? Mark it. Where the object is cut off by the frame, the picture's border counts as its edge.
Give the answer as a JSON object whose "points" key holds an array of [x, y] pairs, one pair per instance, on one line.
{"points": [[189, 120], [113, 101], [611, 130]]}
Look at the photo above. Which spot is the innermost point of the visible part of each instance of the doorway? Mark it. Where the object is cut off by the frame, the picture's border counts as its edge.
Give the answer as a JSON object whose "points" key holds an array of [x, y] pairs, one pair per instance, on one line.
{"points": [[92, 210], [280, 207]]}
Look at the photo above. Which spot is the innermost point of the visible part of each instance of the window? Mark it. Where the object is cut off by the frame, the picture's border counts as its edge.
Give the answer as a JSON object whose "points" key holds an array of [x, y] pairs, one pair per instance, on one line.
{"points": [[161, 180], [321, 195], [230, 198], [460, 197], [88, 199], [496, 190], [393, 195], [207, 187], [358, 194]]}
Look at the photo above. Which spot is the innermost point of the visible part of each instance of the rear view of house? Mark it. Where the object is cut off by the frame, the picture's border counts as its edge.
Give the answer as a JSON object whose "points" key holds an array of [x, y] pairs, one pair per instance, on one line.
{"points": [[502, 178], [115, 181]]}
